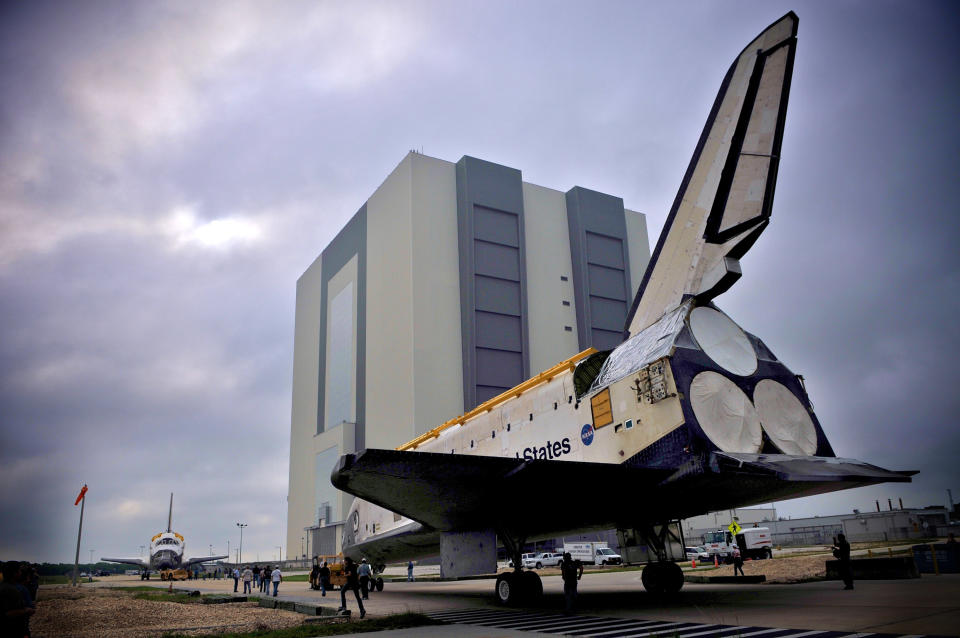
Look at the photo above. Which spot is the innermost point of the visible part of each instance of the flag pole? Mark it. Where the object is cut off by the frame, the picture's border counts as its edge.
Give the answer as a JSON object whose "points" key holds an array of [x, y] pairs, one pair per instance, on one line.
{"points": [[76, 558]]}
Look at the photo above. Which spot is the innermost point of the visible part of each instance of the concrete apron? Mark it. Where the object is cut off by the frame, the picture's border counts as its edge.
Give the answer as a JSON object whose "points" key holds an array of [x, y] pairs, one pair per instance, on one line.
{"points": [[927, 605]]}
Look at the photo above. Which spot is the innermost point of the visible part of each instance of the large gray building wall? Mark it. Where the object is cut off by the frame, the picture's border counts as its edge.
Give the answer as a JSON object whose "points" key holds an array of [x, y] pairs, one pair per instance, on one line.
{"points": [[421, 295]]}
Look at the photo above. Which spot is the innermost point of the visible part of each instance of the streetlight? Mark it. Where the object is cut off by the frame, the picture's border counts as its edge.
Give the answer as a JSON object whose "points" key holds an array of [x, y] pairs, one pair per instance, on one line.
{"points": [[141, 549], [279, 551], [303, 554], [211, 550], [240, 551]]}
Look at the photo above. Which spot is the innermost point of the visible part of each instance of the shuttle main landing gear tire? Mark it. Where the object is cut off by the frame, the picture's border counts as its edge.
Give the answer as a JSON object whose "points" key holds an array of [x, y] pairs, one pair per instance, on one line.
{"points": [[662, 578], [515, 588]]}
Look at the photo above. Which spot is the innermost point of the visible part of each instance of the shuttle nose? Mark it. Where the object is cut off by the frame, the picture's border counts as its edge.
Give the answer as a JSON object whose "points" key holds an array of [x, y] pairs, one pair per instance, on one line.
{"points": [[167, 560]]}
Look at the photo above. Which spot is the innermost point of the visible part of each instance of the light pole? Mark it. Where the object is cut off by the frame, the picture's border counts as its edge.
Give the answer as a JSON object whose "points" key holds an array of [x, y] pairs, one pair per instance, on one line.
{"points": [[279, 551], [303, 554], [211, 550], [141, 549], [240, 551], [91, 555]]}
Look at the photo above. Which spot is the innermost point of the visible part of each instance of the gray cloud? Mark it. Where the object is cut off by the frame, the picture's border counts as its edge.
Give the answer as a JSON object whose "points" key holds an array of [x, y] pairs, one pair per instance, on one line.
{"points": [[170, 170]]}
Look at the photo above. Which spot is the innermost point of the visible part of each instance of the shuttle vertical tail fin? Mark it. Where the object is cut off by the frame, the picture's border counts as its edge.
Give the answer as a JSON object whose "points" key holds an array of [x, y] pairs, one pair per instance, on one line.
{"points": [[726, 195], [170, 515]]}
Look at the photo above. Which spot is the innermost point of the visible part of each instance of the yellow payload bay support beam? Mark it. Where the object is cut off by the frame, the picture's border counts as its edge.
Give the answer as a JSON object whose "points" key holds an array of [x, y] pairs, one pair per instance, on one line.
{"points": [[487, 406]]}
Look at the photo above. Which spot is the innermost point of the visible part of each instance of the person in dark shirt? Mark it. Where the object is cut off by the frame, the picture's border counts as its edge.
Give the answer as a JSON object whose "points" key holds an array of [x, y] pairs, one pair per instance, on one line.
{"points": [[571, 570], [353, 583], [15, 611], [324, 578], [841, 551]]}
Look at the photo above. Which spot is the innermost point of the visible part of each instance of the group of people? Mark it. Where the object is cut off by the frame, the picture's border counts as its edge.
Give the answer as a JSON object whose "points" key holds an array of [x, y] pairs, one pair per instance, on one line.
{"points": [[18, 598], [257, 577]]}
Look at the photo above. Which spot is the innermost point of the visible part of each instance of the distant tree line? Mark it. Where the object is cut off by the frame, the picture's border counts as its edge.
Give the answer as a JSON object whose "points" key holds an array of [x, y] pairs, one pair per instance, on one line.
{"points": [[54, 569]]}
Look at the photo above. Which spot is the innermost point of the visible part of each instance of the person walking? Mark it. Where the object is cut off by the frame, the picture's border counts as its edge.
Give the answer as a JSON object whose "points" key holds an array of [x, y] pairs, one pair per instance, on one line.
{"points": [[276, 577], [737, 562], [265, 580], [410, 571], [236, 578], [841, 551], [247, 580], [572, 571], [364, 572], [256, 575], [352, 584], [324, 578]]}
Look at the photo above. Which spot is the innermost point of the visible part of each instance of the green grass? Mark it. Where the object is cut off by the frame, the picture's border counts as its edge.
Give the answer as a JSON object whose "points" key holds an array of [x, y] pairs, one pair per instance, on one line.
{"points": [[297, 578], [335, 628]]}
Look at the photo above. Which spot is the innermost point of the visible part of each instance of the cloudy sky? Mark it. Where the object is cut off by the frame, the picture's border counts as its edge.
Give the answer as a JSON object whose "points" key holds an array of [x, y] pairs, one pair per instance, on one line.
{"points": [[168, 170]]}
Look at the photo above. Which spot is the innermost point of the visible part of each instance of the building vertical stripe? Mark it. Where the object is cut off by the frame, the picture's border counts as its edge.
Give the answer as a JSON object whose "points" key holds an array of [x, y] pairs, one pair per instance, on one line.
{"points": [[493, 293], [350, 241]]}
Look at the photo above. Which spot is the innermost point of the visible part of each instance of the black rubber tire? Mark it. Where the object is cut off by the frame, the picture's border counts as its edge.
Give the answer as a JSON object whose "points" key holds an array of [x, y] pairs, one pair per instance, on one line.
{"points": [[532, 586], [539, 565], [379, 584], [506, 589], [673, 578], [769, 553], [652, 578]]}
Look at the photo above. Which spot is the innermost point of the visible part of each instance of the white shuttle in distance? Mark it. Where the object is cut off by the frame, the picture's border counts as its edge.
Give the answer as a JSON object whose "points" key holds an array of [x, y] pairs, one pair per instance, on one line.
{"points": [[166, 551], [689, 404]]}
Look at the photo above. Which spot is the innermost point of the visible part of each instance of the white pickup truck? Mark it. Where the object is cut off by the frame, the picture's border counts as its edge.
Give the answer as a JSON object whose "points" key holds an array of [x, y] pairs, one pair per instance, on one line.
{"points": [[539, 561]]}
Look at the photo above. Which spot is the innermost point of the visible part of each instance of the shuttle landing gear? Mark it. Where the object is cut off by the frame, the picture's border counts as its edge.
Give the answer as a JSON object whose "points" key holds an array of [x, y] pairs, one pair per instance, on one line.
{"points": [[659, 545], [517, 587]]}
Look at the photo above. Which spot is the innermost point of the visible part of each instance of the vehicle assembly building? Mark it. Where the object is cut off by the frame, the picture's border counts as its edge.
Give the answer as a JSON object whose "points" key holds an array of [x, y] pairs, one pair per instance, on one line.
{"points": [[453, 283]]}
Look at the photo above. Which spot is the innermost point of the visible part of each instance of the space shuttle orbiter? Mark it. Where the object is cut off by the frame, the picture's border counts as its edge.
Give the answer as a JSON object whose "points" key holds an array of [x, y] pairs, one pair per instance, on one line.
{"points": [[630, 438], [166, 551]]}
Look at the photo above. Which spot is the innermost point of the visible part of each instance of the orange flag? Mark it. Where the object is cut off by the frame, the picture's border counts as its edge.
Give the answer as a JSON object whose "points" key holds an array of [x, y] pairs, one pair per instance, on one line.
{"points": [[82, 492]]}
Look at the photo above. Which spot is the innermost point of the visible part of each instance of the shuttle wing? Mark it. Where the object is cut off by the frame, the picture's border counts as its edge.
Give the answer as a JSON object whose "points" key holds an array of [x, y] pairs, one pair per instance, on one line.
{"points": [[201, 559], [726, 194], [449, 492], [128, 561]]}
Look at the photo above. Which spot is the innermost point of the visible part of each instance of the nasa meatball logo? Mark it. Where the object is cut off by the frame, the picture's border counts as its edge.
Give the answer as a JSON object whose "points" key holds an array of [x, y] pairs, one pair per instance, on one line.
{"points": [[586, 434]]}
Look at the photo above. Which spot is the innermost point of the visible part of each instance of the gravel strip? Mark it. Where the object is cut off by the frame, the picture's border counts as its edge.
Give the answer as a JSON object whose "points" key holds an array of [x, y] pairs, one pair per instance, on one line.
{"points": [[67, 612], [780, 570]]}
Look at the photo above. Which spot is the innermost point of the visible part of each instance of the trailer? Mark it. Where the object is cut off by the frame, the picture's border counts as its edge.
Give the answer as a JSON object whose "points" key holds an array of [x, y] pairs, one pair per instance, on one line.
{"points": [[593, 552], [755, 542]]}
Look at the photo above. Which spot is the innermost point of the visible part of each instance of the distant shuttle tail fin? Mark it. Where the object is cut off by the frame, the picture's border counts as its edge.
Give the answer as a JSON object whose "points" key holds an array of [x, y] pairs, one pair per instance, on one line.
{"points": [[170, 515], [726, 194]]}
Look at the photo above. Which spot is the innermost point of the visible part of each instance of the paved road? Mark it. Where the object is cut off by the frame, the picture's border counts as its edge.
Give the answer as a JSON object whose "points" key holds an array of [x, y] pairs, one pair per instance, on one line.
{"points": [[923, 606]]}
